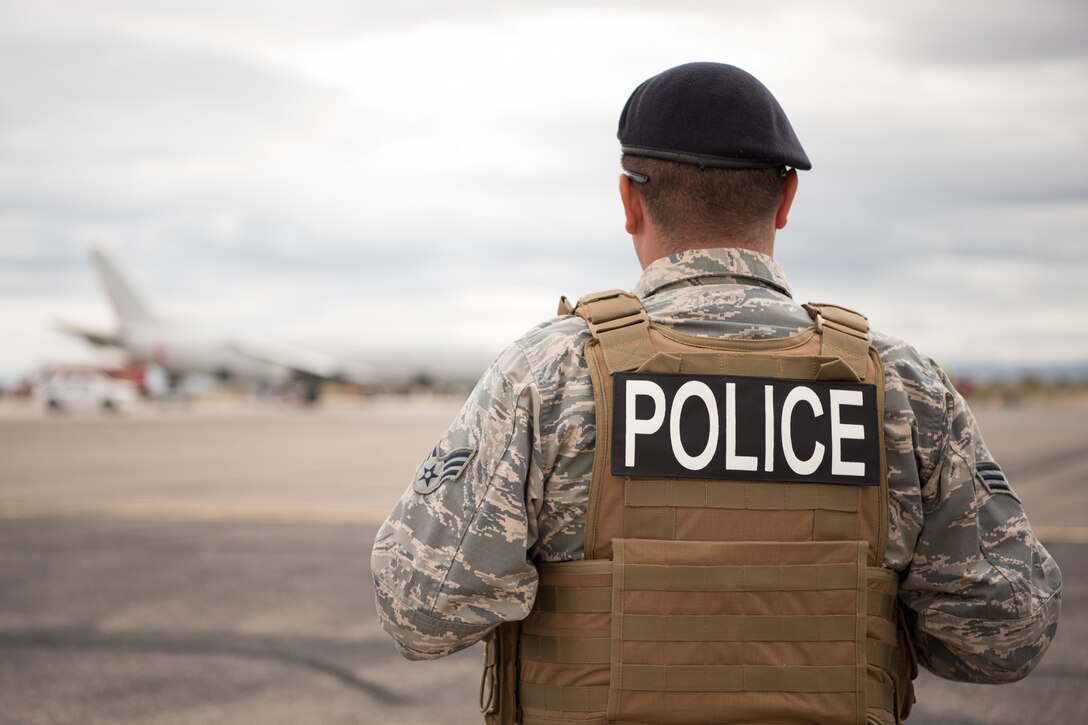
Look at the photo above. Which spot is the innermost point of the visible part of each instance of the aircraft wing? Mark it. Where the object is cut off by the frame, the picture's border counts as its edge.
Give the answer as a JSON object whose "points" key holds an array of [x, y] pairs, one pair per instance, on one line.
{"points": [[303, 362], [93, 336]]}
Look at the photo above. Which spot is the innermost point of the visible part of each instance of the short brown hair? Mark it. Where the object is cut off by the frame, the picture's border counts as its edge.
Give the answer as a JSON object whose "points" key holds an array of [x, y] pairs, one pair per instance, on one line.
{"points": [[688, 203]]}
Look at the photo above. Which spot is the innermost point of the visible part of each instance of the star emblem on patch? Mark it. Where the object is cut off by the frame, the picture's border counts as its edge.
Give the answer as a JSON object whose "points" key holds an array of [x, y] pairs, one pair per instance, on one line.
{"points": [[441, 467]]}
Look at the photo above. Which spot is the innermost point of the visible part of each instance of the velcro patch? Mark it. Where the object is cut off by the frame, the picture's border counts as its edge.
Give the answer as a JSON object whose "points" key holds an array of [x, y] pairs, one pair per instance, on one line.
{"points": [[993, 478], [440, 468], [745, 428]]}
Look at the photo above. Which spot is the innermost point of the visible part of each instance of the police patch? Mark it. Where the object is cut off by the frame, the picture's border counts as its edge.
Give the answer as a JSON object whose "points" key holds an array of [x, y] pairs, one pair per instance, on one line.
{"points": [[745, 429], [440, 468], [993, 478]]}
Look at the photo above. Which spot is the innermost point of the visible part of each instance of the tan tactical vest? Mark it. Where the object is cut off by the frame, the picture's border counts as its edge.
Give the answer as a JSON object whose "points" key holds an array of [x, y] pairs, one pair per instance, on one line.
{"points": [[703, 601]]}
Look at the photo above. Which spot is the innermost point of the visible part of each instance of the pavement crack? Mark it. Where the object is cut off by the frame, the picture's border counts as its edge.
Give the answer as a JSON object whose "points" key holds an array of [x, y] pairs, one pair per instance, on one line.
{"points": [[203, 643]]}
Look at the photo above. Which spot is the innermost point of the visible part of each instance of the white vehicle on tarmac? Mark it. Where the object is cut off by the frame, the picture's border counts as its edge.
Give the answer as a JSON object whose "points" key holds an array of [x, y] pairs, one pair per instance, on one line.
{"points": [[62, 388]]}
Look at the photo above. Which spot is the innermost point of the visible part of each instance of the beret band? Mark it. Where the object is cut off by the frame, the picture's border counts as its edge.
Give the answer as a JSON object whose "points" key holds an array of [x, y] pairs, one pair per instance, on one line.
{"points": [[700, 160]]}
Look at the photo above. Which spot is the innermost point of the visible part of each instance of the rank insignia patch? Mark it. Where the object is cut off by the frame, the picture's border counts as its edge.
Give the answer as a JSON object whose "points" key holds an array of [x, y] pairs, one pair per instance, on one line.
{"points": [[440, 468], [993, 478]]}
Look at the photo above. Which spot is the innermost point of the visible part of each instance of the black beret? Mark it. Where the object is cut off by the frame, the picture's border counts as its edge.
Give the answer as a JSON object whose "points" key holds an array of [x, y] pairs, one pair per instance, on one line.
{"points": [[709, 114]]}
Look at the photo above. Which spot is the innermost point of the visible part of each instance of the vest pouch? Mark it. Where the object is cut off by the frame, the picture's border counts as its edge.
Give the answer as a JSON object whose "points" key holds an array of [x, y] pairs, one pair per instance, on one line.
{"points": [[715, 633], [565, 645], [908, 669], [498, 689]]}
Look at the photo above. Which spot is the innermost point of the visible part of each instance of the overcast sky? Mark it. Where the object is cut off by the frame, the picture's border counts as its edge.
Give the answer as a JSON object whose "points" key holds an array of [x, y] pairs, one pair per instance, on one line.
{"points": [[362, 174]]}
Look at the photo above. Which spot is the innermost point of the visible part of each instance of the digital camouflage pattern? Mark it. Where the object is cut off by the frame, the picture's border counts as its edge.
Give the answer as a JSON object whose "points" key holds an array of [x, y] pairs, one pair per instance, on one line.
{"points": [[982, 593]]}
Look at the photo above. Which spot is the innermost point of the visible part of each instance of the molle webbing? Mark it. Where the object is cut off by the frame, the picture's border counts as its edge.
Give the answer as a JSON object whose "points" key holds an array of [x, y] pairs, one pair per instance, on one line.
{"points": [[739, 578], [809, 584], [561, 649], [580, 638], [687, 509], [730, 495], [573, 599]]}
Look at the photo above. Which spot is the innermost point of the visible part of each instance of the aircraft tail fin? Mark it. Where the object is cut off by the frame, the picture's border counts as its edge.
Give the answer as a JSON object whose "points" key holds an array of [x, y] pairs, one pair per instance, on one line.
{"points": [[126, 303]]}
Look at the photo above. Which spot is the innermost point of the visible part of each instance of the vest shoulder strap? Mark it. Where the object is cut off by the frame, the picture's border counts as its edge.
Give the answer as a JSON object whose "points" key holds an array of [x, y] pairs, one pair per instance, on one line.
{"points": [[844, 333], [619, 323]]}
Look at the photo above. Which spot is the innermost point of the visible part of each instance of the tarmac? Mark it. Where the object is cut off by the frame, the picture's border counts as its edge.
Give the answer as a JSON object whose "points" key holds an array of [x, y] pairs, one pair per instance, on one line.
{"points": [[211, 565]]}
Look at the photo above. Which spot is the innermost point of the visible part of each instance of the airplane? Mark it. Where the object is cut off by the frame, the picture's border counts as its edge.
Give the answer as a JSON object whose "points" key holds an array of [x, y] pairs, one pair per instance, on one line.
{"points": [[182, 348]]}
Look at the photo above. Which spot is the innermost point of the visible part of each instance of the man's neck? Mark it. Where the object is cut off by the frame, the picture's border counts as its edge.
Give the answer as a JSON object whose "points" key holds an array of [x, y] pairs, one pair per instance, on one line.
{"points": [[651, 250]]}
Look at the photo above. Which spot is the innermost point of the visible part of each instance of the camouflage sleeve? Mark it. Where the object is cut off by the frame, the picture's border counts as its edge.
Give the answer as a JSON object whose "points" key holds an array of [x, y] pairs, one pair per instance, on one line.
{"points": [[983, 594], [450, 562]]}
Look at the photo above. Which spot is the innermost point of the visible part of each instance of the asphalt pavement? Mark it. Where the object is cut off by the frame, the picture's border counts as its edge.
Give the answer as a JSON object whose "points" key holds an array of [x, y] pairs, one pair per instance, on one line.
{"points": [[214, 568]]}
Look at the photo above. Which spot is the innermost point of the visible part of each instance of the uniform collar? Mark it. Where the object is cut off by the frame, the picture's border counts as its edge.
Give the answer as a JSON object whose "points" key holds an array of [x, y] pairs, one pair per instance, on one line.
{"points": [[745, 266]]}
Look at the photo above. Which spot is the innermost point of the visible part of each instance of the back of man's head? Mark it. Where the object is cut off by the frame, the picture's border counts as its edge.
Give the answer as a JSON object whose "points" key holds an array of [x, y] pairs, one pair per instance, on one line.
{"points": [[714, 144]]}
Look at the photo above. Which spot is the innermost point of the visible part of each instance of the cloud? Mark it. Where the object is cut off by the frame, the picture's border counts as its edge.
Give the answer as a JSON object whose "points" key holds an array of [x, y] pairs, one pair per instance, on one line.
{"points": [[295, 168], [986, 32]]}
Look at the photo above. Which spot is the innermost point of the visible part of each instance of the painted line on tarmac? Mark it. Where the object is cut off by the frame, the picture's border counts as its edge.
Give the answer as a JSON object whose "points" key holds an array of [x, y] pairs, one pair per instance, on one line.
{"points": [[195, 512], [242, 513]]}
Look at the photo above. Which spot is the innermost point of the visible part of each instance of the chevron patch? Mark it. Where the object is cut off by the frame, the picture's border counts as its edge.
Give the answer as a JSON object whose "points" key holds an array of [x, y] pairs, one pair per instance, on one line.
{"points": [[993, 478], [440, 468]]}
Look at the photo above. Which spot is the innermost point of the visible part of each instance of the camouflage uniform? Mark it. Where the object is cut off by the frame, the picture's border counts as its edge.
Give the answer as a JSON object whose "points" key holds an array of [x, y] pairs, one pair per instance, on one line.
{"points": [[507, 486]]}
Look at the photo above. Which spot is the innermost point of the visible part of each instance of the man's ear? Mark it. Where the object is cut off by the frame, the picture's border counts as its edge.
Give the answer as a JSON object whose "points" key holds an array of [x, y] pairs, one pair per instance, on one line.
{"points": [[632, 205], [785, 201]]}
